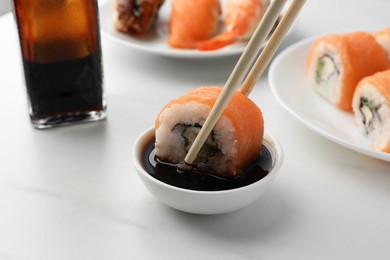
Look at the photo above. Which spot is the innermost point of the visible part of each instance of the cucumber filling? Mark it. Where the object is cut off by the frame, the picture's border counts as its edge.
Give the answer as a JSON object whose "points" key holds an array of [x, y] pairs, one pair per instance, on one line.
{"points": [[370, 114], [326, 68], [208, 151]]}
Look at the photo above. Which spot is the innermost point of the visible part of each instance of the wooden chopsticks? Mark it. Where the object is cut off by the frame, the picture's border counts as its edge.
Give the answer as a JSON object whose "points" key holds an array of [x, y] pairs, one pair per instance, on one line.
{"points": [[273, 44], [245, 61]]}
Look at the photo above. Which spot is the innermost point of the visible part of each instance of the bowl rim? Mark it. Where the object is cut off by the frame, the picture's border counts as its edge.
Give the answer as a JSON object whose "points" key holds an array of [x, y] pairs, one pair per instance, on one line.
{"points": [[268, 140]]}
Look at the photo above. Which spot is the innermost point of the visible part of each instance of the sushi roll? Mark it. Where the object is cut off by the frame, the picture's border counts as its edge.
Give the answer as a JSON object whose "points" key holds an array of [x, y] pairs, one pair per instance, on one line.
{"points": [[234, 142], [192, 22], [371, 107], [383, 38], [337, 62], [136, 17]]}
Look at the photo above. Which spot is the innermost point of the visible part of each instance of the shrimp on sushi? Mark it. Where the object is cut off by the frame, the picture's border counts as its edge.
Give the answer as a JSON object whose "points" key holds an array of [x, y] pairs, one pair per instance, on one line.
{"points": [[192, 21], [241, 18], [337, 62], [234, 142]]}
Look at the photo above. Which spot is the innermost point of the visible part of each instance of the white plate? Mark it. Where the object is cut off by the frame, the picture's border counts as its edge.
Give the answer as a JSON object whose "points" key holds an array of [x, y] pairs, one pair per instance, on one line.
{"points": [[155, 41], [287, 78]]}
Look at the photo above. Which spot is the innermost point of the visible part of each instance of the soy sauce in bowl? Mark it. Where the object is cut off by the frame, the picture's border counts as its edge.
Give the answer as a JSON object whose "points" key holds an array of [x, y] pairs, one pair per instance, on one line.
{"points": [[201, 193], [201, 181]]}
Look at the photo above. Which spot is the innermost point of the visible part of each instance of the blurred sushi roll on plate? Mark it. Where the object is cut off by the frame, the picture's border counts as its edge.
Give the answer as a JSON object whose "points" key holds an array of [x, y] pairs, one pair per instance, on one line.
{"points": [[157, 40], [136, 18], [337, 62], [297, 94], [371, 107], [192, 22], [383, 38]]}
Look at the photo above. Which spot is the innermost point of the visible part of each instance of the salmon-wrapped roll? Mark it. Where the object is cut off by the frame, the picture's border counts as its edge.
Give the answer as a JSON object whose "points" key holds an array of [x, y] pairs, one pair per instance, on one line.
{"points": [[383, 38], [337, 62], [192, 22], [371, 107], [235, 141]]}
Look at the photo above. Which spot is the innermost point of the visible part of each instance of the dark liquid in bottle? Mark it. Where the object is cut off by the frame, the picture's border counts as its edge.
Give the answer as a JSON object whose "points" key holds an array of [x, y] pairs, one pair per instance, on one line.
{"points": [[64, 87], [61, 54], [204, 181]]}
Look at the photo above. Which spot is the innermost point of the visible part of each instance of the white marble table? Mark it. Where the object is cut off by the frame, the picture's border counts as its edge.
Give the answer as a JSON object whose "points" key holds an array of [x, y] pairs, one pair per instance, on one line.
{"points": [[72, 193], [5, 6]]}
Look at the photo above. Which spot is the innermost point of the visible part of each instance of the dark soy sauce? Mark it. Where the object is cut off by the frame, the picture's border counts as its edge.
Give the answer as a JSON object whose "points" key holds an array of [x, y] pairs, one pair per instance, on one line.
{"points": [[204, 181], [65, 86]]}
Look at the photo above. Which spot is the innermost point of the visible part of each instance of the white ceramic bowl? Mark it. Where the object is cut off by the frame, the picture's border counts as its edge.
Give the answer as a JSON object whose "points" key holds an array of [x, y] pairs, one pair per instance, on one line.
{"points": [[206, 202]]}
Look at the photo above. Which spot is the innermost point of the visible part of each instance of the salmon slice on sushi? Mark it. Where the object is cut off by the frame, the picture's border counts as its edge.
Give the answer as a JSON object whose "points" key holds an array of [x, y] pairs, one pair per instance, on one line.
{"points": [[337, 62], [371, 107], [234, 143], [192, 21]]}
